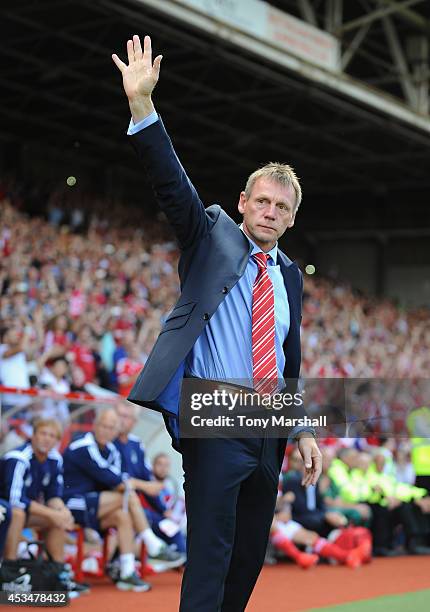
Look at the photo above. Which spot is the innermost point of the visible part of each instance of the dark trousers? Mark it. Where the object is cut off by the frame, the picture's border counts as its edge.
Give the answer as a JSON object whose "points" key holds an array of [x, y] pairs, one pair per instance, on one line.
{"points": [[424, 482], [416, 524], [230, 495]]}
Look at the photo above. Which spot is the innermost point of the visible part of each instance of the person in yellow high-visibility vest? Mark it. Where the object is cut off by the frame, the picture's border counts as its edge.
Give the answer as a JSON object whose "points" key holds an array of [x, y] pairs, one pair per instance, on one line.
{"points": [[418, 424]]}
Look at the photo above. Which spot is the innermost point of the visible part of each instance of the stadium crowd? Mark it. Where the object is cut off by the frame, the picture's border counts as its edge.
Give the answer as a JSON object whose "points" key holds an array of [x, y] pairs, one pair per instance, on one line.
{"points": [[83, 295]]}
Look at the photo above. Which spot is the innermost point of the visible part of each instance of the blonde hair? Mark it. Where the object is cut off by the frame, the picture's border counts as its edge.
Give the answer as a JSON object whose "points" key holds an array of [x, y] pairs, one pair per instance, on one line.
{"points": [[39, 423], [282, 173]]}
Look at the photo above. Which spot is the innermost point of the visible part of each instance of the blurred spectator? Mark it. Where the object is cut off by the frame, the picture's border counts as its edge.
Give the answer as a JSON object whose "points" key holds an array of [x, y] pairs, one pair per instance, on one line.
{"points": [[55, 378], [14, 370], [404, 469], [170, 494], [127, 370], [418, 423], [5, 517], [133, 462], [57, 337], [355, 513], [82, 352], [31, 479]]}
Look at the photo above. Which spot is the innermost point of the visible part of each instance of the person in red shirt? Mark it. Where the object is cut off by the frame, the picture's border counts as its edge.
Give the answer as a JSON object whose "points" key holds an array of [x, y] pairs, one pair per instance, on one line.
{"points": [[83, 354], [127, 370], [57, 337]]}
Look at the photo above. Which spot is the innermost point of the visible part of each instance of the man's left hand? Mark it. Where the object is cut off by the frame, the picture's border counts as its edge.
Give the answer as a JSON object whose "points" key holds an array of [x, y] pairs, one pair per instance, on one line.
{"points": [[312, 459]]}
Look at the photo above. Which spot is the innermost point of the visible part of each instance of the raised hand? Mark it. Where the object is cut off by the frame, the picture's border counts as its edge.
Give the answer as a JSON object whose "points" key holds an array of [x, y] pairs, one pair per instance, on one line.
{"points": [[141, 75]]}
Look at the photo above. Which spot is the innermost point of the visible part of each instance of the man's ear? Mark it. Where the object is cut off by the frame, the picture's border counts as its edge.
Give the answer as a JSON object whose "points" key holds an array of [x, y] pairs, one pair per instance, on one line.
{"points": [[242, 202], [291, 223]]}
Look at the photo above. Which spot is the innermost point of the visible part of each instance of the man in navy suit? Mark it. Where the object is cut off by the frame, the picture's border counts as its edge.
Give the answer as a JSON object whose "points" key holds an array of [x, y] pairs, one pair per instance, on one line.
{"points": [[238, 317]]}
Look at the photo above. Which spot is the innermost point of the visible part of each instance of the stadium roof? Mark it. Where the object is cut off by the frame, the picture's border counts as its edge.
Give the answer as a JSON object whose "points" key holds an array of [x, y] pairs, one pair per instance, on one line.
{"points": [[227, 110]]}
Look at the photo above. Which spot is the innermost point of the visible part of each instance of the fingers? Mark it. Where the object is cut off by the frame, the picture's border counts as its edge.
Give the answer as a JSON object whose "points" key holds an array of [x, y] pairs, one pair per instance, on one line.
{"points": [[137, 48], [130, 51], [147, 51], [307, 477], [119, 63], [317, 468], [157, 64], [313, 461], [135, 54], [305, 451], [306, 455]]}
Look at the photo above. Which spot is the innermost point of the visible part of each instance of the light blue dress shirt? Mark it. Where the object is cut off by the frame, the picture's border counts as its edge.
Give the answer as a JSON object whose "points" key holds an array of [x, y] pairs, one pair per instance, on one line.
{"points": [[133, 128], [223, 350]]}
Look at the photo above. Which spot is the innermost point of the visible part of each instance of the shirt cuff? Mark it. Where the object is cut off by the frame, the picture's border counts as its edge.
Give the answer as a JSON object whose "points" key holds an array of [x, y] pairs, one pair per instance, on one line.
{"points": [[293, 435], [141, 125]]}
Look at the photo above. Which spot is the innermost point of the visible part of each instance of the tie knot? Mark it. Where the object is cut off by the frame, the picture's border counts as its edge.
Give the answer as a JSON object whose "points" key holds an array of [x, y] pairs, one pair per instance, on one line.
{"points": [[261, 259]]}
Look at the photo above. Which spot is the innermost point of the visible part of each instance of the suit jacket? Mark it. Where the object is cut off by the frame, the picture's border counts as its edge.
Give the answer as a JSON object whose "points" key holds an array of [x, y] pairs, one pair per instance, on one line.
{"points": [[214, 255]]}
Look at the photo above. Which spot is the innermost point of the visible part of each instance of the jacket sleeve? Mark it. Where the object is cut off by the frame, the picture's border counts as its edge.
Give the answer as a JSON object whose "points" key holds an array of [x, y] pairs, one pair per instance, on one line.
{"points": [[174, 191], [103, 473], [14, 474], [56, 483]]}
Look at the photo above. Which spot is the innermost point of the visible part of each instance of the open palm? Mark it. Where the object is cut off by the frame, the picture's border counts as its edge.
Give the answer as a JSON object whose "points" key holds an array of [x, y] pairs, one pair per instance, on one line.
{"points": [[141, 75]]}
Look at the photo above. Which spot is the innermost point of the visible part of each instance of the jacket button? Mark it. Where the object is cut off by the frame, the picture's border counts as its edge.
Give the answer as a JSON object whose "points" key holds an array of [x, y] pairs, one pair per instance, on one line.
{"points": [[206, 316], [225, 289]]}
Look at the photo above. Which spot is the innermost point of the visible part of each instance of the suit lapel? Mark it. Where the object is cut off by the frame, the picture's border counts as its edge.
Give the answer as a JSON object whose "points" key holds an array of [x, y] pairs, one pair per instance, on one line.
{"points": [[292, 342], [289, 273]]}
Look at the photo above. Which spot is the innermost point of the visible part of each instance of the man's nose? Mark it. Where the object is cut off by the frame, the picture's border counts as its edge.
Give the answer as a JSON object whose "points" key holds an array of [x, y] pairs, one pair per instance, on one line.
{"points": [[270, 212]]}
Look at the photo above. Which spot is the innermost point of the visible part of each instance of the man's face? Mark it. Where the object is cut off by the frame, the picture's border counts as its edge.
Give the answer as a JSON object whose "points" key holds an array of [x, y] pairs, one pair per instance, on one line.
{"points": [[161, 468], [268, 212], [106, 429], [128, 339], [363, 461], [44, 439], [127, 419], [13, 336], [85, 336], [60, 368], [351, 458]]}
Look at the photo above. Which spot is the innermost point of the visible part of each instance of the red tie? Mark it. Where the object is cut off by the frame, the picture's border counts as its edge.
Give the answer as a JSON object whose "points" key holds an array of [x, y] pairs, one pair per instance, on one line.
{"points": [[264, 370]]}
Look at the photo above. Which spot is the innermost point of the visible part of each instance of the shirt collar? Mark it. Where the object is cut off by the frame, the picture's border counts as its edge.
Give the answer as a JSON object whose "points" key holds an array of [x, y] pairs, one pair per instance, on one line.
{"points": [[273, 253]]}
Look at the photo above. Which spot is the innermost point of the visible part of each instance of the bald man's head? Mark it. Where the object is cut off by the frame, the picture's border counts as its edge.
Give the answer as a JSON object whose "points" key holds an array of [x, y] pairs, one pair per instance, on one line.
{"points": [[106, 426], [128, 415]]}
